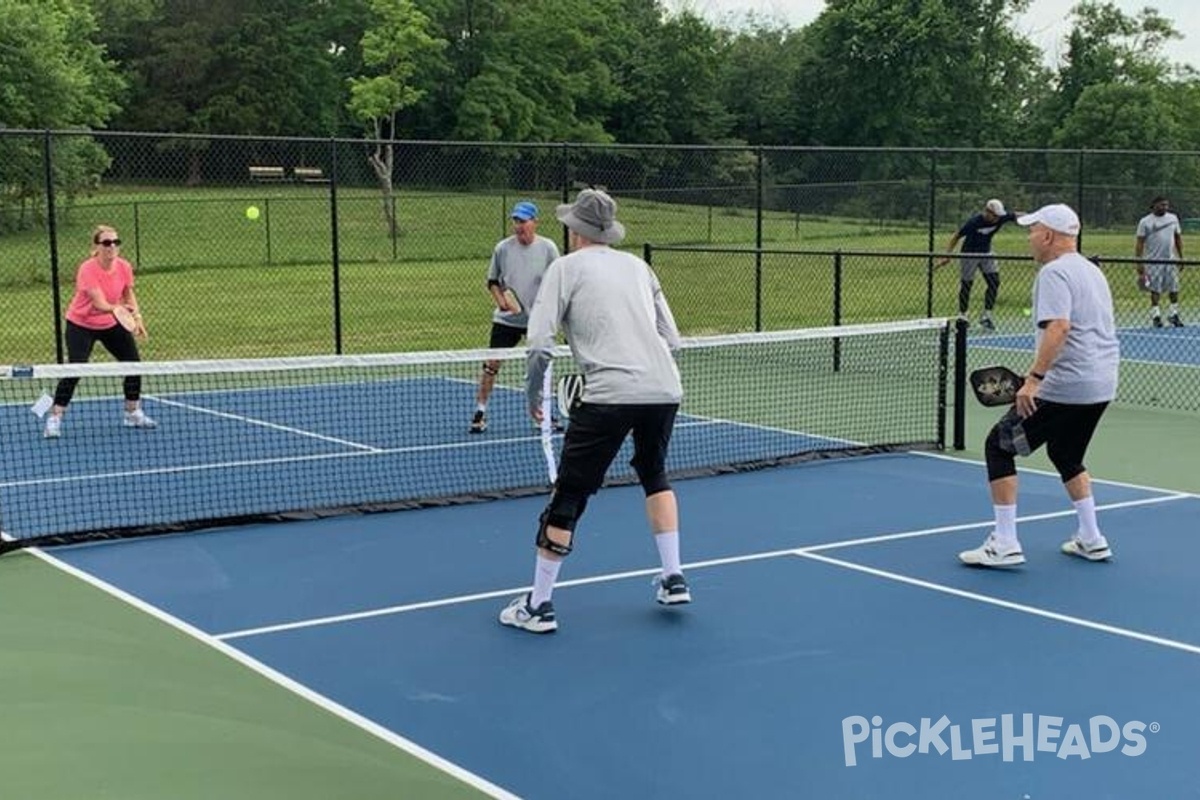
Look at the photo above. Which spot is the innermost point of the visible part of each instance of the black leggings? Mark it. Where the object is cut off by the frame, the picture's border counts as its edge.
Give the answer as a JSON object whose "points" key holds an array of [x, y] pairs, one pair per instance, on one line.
{"points": [[81, 340], [1065, 429]]}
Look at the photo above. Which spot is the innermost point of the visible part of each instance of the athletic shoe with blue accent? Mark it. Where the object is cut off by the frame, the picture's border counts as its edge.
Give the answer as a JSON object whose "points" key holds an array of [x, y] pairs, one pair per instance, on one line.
{"points": [[672, 590], [1093, 551], [992, 554], [519, 614]]}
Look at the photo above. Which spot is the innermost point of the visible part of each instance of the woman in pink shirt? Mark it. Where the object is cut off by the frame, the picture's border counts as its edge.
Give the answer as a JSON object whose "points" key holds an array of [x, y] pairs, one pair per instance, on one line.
{"points": [[102, 283]]}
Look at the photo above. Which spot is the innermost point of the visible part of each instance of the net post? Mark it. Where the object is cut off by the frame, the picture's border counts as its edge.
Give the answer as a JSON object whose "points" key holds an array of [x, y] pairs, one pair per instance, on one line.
{"points": [[943, 374], [960, 384]]}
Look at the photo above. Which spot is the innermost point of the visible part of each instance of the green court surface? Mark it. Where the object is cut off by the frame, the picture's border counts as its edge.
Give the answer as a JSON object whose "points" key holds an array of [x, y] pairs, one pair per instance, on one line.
{"points": [[102, 700]]}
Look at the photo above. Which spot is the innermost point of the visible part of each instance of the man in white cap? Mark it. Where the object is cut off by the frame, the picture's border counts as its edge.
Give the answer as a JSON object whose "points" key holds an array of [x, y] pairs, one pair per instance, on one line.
{"points": [[976, 235], [1069, 385], [621, 331]]}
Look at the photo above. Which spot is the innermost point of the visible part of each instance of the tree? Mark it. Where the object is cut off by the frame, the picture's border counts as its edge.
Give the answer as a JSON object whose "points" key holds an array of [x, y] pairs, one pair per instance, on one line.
{"points": [[53, 74], [881, 72], [391, 49]]}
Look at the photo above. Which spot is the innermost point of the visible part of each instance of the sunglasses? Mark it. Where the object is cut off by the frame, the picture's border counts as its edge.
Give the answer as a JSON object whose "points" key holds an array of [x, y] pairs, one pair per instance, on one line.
{"points": [[109, 242]]}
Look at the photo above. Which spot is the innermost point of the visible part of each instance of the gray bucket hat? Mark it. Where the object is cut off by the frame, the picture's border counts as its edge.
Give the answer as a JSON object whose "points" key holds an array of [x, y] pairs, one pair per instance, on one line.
{"points": [[593, 216]]}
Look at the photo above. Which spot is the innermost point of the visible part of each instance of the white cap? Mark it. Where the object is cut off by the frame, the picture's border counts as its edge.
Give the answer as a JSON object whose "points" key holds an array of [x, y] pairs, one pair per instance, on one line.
{"points": [[1057, 217], [995, 206]]}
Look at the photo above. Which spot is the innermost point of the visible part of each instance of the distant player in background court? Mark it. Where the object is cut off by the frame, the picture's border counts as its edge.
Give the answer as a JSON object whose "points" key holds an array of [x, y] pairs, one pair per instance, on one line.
{"points": [[103, 282], [1160, 243], [622, 335], [976, 235], [514, 274], [1069, 385]]}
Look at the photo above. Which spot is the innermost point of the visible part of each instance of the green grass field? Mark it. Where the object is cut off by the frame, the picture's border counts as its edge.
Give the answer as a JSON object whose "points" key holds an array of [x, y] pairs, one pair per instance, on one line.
{"points": [[215, 284]]}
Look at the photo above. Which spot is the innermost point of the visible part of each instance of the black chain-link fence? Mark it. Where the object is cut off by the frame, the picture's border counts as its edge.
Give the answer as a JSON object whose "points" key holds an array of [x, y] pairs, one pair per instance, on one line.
{"points": [[726, 290], [262, 247]]}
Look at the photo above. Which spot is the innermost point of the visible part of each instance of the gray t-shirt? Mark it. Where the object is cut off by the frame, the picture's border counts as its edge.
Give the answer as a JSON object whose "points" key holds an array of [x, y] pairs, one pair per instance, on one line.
{"points": [[1159, 233], [1072, 288], [520, 268], [611, 308]]}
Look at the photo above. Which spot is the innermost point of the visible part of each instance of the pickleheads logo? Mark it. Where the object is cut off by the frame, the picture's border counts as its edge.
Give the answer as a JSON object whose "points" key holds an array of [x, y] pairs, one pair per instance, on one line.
{"points": [[1011, 733]]}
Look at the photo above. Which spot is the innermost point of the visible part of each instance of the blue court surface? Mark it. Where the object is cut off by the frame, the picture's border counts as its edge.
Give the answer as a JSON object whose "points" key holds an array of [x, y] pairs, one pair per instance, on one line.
{"points": [[1170, 346], [835, 647]]}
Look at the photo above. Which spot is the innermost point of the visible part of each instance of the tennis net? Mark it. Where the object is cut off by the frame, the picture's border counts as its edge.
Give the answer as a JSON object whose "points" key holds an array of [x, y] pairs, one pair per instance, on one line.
{"points": [[269, 439]]}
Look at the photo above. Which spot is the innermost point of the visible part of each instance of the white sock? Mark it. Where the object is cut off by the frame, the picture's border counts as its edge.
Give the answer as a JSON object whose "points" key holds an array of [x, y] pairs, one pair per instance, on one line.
{"points": [[1089, 530], [545, 573], [481, 407], [1006, 525], [1174, 309], [668, 552], [1154, 312]]}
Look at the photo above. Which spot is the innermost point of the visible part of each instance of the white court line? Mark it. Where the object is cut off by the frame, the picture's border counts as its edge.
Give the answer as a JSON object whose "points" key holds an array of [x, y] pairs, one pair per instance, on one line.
{"points": [[297, 688], [262, 423], [619, 576], [1008, 604], [1051, 473]]}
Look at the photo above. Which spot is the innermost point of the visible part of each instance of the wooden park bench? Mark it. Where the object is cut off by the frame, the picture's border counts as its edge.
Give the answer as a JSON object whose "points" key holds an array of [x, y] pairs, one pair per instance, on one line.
{"points": [[309, 174], [266, 173]]}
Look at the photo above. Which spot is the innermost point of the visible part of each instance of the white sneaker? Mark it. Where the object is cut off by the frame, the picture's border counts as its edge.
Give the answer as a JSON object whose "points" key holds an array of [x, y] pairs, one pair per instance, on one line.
{"points": [[519, 614], [53, 427], [992, 554], [1096, 551], [138, 419]]}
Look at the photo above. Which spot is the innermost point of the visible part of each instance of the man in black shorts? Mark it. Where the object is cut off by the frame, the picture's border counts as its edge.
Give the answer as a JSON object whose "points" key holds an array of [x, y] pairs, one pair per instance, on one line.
{"points": [[514, 275], [1069, 385], [622, 334]]}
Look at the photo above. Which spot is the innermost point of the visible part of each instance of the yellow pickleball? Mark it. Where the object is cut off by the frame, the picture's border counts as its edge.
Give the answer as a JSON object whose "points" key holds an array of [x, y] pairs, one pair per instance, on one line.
{"points": [[252, 212]]}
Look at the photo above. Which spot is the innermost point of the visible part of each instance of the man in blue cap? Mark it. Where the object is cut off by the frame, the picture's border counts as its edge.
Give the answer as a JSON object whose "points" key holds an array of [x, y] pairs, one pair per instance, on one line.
{"points": [[514, 276]]}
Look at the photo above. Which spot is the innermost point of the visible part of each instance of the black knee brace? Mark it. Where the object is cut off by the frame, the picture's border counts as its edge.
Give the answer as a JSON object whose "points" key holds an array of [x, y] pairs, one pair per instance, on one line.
{"points": [[1001, 462], [563, 511]]}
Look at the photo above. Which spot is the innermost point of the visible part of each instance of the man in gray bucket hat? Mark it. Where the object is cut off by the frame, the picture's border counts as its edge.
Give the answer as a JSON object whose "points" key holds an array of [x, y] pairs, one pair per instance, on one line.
{"points": [[621, 332]]}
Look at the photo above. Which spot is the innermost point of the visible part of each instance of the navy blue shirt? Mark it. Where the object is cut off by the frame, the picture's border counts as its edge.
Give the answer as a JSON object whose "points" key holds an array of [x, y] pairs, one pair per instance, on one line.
{"points": [[977, 232]]}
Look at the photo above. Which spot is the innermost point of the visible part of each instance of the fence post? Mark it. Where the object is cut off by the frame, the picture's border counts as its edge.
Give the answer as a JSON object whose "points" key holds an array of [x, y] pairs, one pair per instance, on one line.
{"points": [[333, 237], [837, 308], [267, 226], [932, 232], [1079, 200], [52, 232], [566, 191], [137, 232], [758, 240]]}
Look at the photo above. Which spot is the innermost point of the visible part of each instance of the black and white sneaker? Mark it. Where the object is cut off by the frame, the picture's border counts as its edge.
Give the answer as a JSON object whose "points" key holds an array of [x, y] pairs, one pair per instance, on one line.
{"points": [[519, 614], [479, 422], [672, 590], [1091, 551], [1175, 321]]}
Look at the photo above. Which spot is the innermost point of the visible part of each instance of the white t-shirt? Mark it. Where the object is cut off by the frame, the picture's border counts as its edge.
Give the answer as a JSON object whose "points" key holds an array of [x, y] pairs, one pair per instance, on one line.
{"points": [[1159, 233], [617, 322], [520, 267], [1072, 288]]}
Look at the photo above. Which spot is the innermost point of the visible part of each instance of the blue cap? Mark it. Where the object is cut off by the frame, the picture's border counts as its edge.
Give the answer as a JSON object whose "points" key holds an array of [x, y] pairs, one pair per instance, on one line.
{"points": [[524, 211]]}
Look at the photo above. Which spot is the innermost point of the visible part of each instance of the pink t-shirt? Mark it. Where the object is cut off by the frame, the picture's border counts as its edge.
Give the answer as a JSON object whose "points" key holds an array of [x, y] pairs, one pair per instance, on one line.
{"points": [[111, 283]]}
